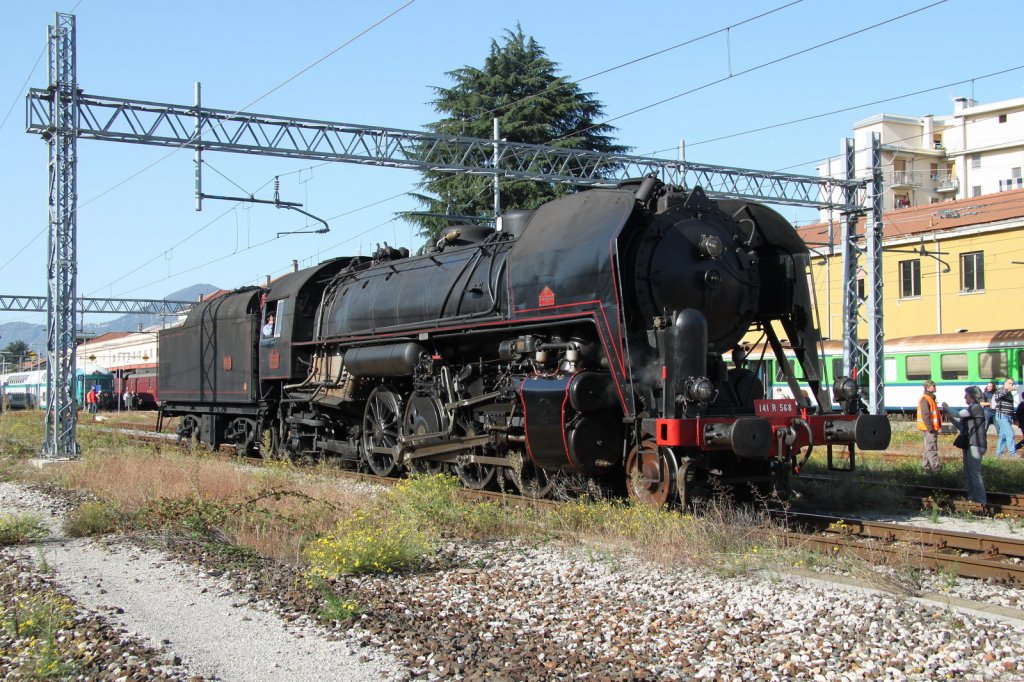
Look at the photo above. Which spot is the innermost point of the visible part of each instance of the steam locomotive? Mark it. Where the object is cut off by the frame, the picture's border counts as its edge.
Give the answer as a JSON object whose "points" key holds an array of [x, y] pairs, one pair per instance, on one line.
{"points": [[586, 337]]}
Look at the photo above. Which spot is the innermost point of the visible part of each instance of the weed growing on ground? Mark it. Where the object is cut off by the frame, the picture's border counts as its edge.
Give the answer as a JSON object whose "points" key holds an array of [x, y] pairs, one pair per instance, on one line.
{"points": [[335, 607], [20, 528], [93, 518], [368, 543], [34, 621], [20, 436], [933, 507]]}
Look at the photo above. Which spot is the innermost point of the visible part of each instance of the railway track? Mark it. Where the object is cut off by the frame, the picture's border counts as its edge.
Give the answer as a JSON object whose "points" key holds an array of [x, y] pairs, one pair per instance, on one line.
{"points": [[965, 554], [999, 503]]}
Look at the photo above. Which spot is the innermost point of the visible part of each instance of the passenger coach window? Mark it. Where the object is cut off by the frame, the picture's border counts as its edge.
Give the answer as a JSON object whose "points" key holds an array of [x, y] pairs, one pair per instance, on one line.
{"points": [[889, 369], [954, 366], [780, 370], [919, 367], [837, 369], [992, 365]]}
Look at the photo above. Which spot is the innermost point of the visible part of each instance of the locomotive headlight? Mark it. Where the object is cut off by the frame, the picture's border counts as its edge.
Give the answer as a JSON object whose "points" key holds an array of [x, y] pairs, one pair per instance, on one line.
{"points": [[710, 246], [844, 389], [700, 390]]}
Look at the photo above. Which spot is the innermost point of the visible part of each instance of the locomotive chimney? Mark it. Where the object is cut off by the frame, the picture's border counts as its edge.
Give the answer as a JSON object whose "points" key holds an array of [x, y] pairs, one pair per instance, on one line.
{"points": [[295, 265], [268, 280]]}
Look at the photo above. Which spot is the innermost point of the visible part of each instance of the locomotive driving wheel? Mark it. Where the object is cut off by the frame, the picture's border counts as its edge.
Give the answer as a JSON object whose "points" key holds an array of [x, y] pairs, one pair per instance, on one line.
{"points": [[473, 475], [424, 415], [382, 422], [650, 474]]}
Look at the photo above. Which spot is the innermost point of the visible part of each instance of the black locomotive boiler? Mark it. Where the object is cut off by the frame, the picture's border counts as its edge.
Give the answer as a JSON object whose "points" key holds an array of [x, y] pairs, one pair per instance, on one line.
{"points": [[599, 335]]}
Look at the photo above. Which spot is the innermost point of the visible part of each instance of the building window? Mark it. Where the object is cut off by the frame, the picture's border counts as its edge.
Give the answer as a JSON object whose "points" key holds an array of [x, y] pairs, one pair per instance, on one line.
{"points": [[975, 160], [910, 278], [1002, 118], [972, 271], [901, 201], [976, 191], [861, 294], [1013, 182]]}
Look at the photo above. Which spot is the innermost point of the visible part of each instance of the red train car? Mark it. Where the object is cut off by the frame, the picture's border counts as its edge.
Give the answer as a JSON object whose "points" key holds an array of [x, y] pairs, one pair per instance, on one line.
{"points": [[143, 386]]}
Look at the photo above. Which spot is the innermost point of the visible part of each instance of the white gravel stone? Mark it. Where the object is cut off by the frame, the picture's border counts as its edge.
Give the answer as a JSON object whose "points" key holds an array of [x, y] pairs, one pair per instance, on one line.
{"points": [[162, 600], [564, 611]]}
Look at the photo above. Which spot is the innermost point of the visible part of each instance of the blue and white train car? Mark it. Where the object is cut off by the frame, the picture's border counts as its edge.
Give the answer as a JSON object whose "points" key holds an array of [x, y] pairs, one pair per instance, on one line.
{"points": [[27, 390]]}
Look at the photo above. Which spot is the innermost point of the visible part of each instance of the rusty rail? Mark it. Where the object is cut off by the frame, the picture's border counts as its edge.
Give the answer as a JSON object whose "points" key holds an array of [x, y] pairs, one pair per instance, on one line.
{"points": [[967, 554]]}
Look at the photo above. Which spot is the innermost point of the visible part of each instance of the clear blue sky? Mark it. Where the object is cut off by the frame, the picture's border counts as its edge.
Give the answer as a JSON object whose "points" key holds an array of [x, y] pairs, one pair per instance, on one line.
{"points": [[239, 51]]}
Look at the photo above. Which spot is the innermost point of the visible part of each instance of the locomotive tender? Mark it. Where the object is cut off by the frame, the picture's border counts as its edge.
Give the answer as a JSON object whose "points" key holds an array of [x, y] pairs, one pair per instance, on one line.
{"points": [[586, 336]]}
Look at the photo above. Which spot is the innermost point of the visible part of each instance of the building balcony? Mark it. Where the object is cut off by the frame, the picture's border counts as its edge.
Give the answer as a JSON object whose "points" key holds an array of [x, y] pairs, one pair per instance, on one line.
{"points": [[905, 179], [945, 182]]}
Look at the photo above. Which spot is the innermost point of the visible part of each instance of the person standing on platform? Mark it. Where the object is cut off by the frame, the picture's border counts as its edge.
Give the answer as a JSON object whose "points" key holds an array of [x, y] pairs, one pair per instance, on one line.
{"points": [[971, 421], [1004, 400], [988, 395], [929, 421]]}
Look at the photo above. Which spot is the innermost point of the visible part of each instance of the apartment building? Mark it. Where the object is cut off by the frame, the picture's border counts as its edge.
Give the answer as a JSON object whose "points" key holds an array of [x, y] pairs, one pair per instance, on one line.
{"points": [[976, 150]]}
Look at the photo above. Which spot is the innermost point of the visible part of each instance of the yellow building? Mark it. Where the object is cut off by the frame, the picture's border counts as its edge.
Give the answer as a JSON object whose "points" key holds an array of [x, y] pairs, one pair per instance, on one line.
{"points": [[946, 267]]}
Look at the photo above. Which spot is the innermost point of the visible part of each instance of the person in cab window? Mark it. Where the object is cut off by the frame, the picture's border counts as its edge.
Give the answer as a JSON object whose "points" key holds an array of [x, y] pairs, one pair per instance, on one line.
{"points": [[268, 328]]}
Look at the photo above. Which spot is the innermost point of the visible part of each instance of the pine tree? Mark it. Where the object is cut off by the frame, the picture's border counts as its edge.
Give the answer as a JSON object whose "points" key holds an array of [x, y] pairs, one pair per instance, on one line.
{"points": [[520, 85]]}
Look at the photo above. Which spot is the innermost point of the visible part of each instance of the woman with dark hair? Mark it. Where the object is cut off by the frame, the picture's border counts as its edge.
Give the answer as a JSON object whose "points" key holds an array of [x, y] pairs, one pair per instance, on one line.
{"points": [[971, 422]]}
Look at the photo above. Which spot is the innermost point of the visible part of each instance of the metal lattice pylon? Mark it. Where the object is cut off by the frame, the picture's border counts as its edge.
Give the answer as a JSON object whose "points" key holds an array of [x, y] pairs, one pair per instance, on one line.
{"points": [[61, 410], [858, 357]]}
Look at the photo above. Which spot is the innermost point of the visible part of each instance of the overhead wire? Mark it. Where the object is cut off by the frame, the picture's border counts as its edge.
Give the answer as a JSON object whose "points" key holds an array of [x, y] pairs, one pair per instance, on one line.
{"points": [[258, 99], [17, 97], [843, 110], [255, 101], [31, 72], [752, 69], [564, 84], [167, 250]]}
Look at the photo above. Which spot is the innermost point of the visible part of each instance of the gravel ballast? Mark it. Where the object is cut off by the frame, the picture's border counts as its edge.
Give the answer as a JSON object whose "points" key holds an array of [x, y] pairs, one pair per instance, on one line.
{"points": [[520, 611]]}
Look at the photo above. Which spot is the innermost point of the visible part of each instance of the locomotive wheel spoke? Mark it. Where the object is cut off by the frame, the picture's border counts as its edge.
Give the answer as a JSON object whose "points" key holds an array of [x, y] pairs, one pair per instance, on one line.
{"points": [[474, 476], [423, 415], [188, 429], [380, 431], [649, 475]]}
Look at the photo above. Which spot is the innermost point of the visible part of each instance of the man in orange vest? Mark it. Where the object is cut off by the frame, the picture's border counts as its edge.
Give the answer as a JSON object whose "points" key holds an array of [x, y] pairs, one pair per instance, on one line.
{"points": [[929, 420]]}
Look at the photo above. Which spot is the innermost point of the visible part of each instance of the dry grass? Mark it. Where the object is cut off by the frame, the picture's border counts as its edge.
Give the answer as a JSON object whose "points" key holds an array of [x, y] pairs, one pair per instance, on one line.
{"points": [[277, 510]]}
